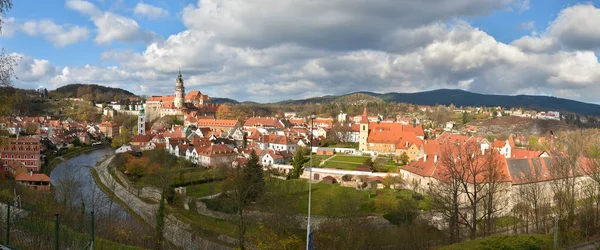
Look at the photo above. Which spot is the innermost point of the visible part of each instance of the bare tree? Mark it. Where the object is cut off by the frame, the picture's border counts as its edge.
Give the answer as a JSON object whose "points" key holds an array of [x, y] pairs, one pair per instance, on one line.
{"points": [[496, 184]]}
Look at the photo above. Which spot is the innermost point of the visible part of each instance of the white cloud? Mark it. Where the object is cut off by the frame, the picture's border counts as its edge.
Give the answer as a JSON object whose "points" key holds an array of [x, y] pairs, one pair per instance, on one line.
{"points": [[83, 7], [577, 27], [277, 52], [31, 69], [150, 11], [349, 24], [8, 28], [527, 25], [112, 27]]}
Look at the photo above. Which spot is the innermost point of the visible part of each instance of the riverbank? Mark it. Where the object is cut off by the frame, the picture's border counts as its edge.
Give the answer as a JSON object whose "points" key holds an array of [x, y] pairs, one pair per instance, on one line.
{"points": [[56, 159], [175, 231]]}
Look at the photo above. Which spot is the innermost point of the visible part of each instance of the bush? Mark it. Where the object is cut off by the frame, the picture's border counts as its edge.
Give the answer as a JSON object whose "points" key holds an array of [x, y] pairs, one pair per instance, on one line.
{"points": [[221, 204]]}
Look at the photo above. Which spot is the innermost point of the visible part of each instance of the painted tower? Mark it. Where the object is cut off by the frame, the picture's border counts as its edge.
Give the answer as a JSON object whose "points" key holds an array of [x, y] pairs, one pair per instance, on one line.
{"points": [[364, 131], [141, 121], [179, 92]]}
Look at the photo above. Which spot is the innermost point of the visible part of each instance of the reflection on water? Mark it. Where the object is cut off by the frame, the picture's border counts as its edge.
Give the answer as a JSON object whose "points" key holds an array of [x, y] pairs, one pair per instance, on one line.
{"points": [[73, 182]]}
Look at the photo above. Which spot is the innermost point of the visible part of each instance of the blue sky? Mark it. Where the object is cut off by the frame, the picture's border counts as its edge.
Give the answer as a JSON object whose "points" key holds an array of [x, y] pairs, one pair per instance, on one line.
{"points": [[267, 50]]}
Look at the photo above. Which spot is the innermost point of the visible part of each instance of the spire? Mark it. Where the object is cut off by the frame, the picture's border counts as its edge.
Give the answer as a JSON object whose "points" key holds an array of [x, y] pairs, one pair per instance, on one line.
{"points": [[365, 117]]}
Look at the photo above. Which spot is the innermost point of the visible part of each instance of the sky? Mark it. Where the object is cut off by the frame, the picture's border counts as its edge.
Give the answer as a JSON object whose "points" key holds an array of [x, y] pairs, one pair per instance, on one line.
{"points": [[272, 50]]}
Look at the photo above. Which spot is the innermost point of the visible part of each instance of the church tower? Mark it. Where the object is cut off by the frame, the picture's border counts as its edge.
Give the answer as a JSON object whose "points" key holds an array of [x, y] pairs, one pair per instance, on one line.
{"points": [[179, 92], [364, 131], [141, 121]]}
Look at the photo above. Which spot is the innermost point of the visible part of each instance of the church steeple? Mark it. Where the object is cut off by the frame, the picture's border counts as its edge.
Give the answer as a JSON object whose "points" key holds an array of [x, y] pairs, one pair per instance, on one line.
{"points": [[179, 91]]}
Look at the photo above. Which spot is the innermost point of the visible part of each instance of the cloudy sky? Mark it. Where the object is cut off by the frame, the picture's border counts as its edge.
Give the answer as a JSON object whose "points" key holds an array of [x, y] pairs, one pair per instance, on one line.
{"points": [[270, 50]]}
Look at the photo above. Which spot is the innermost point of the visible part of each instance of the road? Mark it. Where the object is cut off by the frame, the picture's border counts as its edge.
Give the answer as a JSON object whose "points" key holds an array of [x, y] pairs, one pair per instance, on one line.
{"points": [[175, 231]]}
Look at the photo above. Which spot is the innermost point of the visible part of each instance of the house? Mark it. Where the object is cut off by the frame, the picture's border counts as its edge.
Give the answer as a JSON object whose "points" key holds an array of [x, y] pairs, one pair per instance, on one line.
{"points": [[34, 181], [123, 149], [109, 129], [141, 140], [505, 147], [84, 137], [382, 137], [269, 157], [23, 149], [278, 143], [409, 144], [325, 151], [216, 155], [15, 168], [257, 122]]}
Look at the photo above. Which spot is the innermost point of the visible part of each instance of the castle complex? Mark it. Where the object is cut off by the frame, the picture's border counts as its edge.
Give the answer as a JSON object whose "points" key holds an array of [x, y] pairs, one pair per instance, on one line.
{"points": [[179, 104]]}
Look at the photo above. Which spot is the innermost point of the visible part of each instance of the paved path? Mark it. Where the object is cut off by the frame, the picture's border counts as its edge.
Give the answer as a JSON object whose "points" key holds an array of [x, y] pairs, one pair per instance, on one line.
{"points": [[176, 232], [323, 161]]}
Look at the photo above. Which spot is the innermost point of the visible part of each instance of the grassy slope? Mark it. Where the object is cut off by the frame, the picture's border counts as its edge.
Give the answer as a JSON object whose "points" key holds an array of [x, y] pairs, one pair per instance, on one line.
{"points": [[523, 241]]}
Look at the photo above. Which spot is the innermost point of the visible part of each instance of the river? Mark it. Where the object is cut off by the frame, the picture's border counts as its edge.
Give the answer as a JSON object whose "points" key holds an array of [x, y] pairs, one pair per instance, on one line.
{"points": [[72, 180]]}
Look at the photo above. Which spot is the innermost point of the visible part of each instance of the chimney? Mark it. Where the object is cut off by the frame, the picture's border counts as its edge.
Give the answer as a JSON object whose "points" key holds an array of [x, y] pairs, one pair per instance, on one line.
{"points": [[407, 144], [426, 142], [31, 172], [425, 158], [435, 159]]}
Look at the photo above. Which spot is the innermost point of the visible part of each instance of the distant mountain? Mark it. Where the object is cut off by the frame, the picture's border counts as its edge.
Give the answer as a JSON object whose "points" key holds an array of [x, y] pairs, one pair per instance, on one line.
{"points": [[218, 100], [91, 92], [465, 98]]}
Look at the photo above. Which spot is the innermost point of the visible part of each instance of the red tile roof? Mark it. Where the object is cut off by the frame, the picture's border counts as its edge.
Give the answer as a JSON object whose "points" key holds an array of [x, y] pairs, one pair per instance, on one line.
{"points": [[216, 123], [262, 122], [33, 177]]}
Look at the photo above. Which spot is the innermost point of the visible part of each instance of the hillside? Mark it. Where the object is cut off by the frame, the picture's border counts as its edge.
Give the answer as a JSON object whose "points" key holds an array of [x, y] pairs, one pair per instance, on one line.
{"points": [[218, 100], [465, 98], [91, 92], [518, 126]]}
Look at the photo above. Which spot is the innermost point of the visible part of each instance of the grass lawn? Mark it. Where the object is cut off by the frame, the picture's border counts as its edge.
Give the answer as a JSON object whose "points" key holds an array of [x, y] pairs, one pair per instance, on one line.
{"points": [[521, 241], [340, 165], [205, 189], [351, 162], [335, 200], [317, 159], [349, 158]]}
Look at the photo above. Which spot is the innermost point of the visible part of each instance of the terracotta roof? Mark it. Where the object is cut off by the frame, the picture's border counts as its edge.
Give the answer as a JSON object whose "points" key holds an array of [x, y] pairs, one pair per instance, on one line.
{"points": [[262, 122], [407, 139], [523, 153], [217, 151], [33, 177], [216, 123], [141, 138], [498, 144], [196, 95], [365, 117], [164, 98]]}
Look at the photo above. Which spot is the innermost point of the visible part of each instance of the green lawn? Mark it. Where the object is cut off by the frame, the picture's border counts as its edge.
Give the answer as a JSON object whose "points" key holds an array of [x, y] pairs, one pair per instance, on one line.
{"points": [[205, 189], [335, 200], [521, 241], [349, 158], [340, 165], [351, 162], [317, 159]]}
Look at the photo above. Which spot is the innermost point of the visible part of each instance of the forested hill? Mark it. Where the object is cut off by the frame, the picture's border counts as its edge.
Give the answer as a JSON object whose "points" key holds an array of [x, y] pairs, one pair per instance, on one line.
{"points": [[465, 98], [91, 92]]}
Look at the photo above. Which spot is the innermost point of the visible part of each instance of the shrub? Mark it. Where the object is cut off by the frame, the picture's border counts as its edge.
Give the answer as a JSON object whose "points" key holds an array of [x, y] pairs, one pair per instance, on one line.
{"points": [[221, 204]]}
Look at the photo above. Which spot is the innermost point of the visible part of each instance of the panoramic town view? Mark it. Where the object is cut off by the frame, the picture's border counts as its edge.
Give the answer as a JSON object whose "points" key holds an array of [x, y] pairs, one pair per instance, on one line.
{"points": [[294, 124]]}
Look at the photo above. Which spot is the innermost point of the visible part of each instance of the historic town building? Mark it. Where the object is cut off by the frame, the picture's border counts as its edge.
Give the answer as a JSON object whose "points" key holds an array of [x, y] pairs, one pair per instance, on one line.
{"points": [[179, 103]]}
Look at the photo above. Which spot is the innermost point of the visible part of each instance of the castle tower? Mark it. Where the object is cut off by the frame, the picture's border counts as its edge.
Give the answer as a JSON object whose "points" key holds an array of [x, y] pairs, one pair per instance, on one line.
{"points": [[179, 92], [141, 121], [364, 131]]}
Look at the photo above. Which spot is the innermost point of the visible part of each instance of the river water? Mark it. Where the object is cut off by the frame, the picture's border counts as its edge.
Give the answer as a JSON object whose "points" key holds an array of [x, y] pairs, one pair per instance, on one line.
{"points": [[72, 180]]}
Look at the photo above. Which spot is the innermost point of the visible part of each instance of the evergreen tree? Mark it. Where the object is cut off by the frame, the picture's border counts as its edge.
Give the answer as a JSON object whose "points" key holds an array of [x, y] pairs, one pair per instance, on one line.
{"points": [[298, 164], [253, 178]]}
